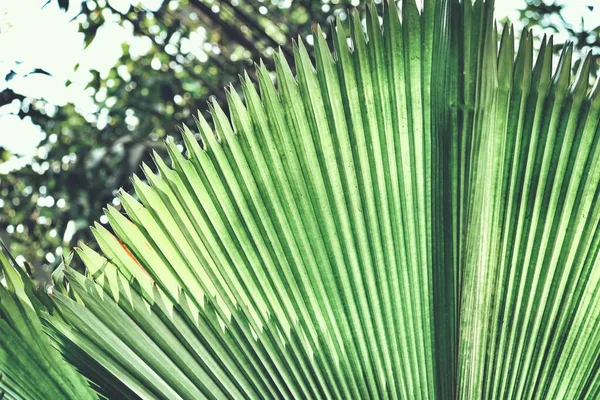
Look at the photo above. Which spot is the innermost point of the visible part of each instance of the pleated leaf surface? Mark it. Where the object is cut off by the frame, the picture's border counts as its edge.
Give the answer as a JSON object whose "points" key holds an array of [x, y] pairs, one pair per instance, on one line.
{"points": [[413, 215]]}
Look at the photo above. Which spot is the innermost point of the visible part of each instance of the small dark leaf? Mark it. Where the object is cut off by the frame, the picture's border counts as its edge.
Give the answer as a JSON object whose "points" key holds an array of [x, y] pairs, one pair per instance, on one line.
{"points": [[4, 154], [10, 75], [63, 4], [40, 71], [91, 35]]}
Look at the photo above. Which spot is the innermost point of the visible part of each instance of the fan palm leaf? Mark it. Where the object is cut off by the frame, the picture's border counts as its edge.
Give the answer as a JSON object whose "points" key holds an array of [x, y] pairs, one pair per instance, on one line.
{"points": [[413, 216]]}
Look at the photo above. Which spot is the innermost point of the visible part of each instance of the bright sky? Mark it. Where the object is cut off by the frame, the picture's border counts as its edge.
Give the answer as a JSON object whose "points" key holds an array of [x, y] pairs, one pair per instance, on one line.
{"points": [[32, 37], [57, 49]]}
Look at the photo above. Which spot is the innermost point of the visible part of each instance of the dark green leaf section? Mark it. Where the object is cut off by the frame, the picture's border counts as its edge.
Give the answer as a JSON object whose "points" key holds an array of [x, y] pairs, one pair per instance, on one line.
{"points": [[530, 214], [30, 368]]}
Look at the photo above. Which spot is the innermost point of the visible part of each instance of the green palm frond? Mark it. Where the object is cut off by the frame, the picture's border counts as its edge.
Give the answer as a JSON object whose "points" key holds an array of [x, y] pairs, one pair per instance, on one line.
{"points": [[414, 216], [29, 367]]}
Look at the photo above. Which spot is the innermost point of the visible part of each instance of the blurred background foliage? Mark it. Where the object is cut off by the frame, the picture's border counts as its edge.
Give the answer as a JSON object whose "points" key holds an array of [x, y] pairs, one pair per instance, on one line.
{"points": [[548, 17], [194, 48]]}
